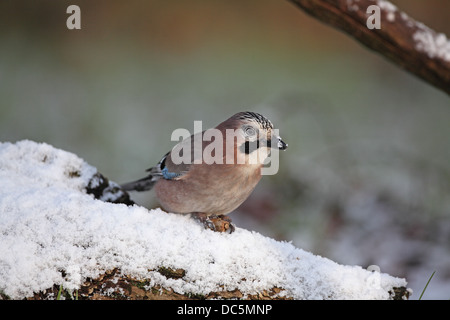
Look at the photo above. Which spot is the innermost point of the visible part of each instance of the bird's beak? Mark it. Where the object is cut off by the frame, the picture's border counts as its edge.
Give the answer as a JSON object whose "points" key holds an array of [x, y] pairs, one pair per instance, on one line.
{"points": [[281, 144]]}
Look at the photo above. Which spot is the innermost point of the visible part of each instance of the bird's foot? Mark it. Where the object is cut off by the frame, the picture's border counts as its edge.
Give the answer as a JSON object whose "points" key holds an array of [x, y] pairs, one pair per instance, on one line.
{"points": [[225, 223], [218, 223], [204, 219]]}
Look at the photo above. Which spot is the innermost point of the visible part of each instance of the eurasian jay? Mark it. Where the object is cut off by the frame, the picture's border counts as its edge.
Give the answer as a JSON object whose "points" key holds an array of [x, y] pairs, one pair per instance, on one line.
{"points": [[210, 173]]}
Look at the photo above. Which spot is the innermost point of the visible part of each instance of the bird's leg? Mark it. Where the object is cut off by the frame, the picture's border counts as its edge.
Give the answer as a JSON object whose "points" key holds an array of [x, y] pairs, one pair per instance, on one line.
{"points": [[218, 223], [204, 219], [228, 220], [222, 223]]}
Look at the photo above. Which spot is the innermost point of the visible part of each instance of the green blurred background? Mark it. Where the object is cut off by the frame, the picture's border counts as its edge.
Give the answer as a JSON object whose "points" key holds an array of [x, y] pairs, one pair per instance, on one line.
{"points": [[366, 178]]}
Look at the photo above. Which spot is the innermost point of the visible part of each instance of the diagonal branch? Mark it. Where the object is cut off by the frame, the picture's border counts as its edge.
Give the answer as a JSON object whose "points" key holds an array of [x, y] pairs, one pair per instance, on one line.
{"points": [[406, 42]]}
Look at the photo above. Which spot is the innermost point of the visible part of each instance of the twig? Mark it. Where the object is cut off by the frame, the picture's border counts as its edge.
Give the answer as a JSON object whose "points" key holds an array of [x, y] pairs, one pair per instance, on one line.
{"points": [[423, 291], [406, 42]]}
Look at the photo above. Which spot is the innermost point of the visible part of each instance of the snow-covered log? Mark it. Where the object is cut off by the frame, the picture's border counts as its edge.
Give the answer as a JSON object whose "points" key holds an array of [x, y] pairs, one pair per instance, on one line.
{"points": [[58, 231]]}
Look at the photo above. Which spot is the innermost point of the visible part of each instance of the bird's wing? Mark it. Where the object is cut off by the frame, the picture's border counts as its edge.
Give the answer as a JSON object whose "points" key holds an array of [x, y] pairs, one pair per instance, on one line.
{"points": [[173, 166], [177, 163], [155, 173], [167, 169]]}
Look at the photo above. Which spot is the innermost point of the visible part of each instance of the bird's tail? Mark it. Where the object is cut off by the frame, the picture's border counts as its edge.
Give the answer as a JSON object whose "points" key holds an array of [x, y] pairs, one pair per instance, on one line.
{"points": [[143, 184]]}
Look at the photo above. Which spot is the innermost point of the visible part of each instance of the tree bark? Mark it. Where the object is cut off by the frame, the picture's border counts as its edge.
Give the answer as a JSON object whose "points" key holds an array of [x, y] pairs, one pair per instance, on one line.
{"points": [[404, 41], [114, 286]]}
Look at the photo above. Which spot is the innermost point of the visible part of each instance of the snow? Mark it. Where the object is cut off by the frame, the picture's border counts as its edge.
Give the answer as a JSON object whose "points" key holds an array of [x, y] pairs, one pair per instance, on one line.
{"points": [[352, 6], [389, 8], [435, 45], [52, 232]]}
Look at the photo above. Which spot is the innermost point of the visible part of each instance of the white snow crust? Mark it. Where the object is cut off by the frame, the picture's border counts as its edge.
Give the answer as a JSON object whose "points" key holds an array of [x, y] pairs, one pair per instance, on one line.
{"points": [[389, 8], [52, 232], [435, 45]]}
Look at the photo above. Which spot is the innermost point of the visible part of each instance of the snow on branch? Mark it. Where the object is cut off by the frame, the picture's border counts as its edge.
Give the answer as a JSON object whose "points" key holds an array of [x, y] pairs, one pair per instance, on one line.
{"points": [[57, 231], [398, 37]]}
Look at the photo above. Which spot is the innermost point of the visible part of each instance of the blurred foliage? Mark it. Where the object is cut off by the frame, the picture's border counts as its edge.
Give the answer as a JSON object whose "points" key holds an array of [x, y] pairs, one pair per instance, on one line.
{"points": [[366, 178]]}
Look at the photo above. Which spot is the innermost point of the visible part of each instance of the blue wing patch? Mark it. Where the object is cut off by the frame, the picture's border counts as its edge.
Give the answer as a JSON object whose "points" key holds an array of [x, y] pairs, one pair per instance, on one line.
{"points": [[169, 175]]}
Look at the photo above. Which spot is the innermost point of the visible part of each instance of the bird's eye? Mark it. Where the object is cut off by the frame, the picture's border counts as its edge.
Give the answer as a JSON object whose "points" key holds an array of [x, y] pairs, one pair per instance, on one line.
{"points": [[250, 131]]}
